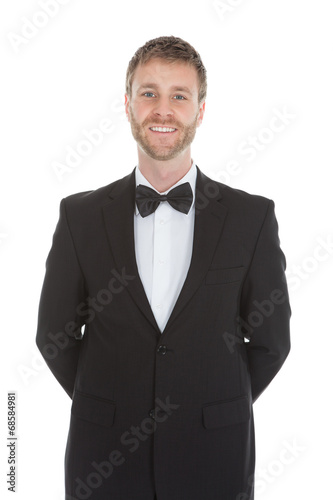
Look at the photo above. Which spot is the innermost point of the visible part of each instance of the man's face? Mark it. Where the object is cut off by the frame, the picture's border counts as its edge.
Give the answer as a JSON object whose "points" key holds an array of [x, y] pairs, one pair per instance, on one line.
{"points": [[164, 95]]}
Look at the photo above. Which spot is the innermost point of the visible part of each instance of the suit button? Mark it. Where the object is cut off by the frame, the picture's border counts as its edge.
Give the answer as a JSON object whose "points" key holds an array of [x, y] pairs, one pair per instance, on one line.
{"points": [[152, 414], [162, 349]]}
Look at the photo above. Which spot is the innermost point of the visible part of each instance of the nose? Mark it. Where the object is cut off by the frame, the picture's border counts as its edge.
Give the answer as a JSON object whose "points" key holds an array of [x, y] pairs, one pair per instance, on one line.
{"points": [[163, 108]]}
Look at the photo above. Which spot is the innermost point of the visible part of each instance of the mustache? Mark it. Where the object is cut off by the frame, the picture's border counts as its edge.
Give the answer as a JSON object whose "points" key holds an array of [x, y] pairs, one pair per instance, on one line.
{"points": [[163, 123]]}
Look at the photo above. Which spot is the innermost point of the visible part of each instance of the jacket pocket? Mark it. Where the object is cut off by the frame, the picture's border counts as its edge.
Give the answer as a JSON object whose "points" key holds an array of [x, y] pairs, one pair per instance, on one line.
{"points": [[224, 275], [97, 410], [225, 413]]}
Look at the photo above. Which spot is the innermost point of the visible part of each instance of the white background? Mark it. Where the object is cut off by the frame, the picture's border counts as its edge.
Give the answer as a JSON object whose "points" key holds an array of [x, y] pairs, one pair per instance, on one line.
{"points": [[261, 56]]}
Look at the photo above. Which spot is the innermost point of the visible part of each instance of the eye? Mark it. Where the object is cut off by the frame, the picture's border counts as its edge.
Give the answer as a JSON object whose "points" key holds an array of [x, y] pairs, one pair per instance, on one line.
{"points": [[181, 97], [150, 93]]}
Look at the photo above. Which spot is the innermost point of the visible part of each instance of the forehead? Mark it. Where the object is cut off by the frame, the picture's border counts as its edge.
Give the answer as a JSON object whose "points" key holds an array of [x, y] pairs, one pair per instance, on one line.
{"points": [[166, 74]]}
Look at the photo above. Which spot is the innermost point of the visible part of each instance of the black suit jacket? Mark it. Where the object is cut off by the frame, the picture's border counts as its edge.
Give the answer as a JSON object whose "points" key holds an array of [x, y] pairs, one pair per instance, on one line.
{"points": [[169, 412]]}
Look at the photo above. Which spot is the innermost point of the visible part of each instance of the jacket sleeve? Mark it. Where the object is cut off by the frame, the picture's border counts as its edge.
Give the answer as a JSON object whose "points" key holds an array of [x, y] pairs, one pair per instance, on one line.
{"points": [[264, 308], [59, 325]]}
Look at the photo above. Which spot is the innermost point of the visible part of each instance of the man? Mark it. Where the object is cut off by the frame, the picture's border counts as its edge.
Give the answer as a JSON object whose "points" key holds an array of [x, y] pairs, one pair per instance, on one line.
{"points": [[179, 284]]}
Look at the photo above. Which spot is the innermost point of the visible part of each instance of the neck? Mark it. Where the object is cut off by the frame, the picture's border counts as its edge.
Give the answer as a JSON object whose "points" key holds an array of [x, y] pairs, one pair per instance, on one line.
{"points": [[164, 174]]}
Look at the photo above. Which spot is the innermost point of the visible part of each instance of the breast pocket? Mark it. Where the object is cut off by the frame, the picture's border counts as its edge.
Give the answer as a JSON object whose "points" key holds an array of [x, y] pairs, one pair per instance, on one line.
{"points": [[93, 409], [224, 275]]}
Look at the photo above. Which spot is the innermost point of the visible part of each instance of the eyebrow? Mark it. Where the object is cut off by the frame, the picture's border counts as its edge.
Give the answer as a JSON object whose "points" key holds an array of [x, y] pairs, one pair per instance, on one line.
{"points": [[176, 88]]}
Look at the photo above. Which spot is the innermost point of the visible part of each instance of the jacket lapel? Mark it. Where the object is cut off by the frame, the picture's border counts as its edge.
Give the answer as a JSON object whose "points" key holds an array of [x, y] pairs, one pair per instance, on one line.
{"points": [[210, 215], [119, 221], [119, 225]]}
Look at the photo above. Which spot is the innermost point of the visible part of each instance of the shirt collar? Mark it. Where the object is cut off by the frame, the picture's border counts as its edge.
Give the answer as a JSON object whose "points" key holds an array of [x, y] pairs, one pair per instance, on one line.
{"points": [[190, 176]]}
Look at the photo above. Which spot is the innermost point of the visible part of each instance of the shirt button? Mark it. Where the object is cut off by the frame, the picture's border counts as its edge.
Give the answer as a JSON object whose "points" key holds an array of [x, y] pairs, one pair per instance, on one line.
{"points": [[152, 414], [159, 306], [161, 261], [161, 222]]}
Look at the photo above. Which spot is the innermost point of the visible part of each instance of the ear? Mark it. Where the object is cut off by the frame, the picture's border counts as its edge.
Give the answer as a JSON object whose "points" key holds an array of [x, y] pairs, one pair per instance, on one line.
{"points": [[127, 103], [201, 113]]}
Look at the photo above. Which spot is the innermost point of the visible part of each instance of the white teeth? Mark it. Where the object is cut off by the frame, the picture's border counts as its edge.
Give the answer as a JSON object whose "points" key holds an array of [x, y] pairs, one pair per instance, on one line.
{"points": [[162, 129]]}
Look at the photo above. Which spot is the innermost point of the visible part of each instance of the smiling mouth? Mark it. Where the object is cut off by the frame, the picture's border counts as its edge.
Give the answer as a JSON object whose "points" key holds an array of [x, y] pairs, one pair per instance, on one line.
{"points": [[163, 129]]}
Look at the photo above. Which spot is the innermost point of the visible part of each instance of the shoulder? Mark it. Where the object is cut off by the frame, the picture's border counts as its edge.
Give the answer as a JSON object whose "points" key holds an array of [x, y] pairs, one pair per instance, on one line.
{"points": [[235, 200], [95, 199]]}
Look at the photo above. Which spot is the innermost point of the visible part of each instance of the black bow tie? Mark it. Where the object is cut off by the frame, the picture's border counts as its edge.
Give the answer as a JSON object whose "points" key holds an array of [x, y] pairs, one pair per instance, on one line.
{"points": [[180, 198]]}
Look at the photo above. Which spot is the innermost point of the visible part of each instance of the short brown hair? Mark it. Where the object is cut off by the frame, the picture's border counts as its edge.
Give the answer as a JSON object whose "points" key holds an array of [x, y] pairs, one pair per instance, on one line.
{"points": [[169, 48]]}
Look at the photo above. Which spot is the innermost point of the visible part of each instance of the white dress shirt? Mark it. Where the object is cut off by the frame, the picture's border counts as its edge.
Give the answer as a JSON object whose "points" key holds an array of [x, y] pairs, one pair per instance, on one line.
{"points": [[163, 249]]}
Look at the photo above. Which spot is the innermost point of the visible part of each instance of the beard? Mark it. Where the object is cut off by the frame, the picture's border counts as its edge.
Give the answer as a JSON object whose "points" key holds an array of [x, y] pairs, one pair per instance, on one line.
{"points": [[163, 151]]}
